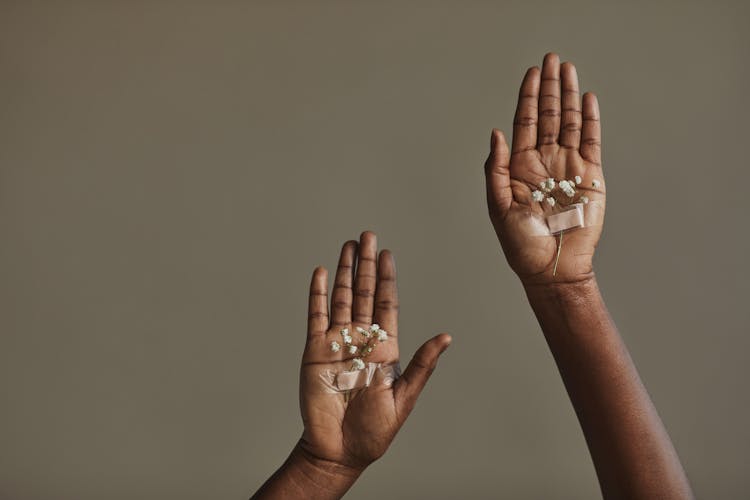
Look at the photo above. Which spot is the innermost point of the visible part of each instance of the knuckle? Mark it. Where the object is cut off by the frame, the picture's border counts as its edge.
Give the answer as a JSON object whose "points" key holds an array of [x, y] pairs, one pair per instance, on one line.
{"points": [[387, 304], [423, 365], [525, 121]]}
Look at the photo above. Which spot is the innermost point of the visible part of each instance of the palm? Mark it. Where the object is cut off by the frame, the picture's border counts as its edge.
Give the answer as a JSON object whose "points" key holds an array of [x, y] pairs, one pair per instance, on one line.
{"points": [[553, 138], [357, 428]]}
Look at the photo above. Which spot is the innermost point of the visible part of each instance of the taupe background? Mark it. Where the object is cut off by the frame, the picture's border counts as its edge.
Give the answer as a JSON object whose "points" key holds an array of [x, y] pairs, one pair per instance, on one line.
{"points": [[171, 172]]}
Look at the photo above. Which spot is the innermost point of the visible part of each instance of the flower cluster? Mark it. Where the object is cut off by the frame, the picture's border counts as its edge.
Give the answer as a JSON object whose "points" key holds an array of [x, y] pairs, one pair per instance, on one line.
{"points": [[372, 337], [561, 193], [546, 192], [565, 194]]}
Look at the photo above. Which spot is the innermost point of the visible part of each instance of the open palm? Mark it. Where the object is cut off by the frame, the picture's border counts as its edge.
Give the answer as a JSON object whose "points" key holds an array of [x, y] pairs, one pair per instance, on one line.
{"points": [[554, 136], [355, 429]]}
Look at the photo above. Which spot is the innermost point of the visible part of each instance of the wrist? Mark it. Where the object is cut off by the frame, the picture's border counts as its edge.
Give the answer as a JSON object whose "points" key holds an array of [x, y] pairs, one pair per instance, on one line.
{"points": [[563, 294], [321, 466], [314, 477], [305, 476]]}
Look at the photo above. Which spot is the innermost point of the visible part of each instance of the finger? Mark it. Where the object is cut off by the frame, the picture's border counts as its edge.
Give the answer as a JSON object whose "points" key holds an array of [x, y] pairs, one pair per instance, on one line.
{"points": [[497, 174], [570, 126], [386, 295], [591, 136], [365, 281], [341, 298], [317, 311], [526, 119], [412, 381], [549, 101]]}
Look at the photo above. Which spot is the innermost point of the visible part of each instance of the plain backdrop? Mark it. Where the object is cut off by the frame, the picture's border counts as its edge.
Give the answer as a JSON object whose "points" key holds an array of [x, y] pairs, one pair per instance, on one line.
{"points": [[171, 173]]}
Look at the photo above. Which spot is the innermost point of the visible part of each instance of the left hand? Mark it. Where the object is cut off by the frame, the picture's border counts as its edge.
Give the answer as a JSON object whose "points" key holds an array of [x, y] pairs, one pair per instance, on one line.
{"points": [[355, 432]]}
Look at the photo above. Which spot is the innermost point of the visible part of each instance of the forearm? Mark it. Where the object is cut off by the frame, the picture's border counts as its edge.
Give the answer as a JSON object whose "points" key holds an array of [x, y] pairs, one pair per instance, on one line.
{"points": [[632, 453], [303, 476]]}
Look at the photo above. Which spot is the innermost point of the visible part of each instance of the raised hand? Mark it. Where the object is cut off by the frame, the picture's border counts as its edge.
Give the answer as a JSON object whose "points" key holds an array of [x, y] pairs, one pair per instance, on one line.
{"points": [[345, 431], [354, 430], [554, 136]]}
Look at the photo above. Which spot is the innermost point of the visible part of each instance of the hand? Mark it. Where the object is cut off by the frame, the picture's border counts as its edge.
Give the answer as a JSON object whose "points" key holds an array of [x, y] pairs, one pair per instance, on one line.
{"points": [[552, 137], [352, 431]]}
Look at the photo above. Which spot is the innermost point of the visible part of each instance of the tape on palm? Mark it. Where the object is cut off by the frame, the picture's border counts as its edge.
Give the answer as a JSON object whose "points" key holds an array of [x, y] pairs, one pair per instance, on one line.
{"points": [[372, 373]]}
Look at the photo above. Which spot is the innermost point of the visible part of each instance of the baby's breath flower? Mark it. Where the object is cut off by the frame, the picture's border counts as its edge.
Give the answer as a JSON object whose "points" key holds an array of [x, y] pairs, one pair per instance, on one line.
{"points": [[550, 183], [584, 199], [596, 183], [344, 331], [382, 335], [567, 188], [347, 339], [551, 201], [374, 327], [335, 346], [358, 364], [352, 349], [578, 179], [363, 331], [537, 195]]}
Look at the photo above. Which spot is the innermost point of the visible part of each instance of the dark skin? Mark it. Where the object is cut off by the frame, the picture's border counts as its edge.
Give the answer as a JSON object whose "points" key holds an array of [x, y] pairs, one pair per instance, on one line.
{"points": [[556, 134], [343, 435]]}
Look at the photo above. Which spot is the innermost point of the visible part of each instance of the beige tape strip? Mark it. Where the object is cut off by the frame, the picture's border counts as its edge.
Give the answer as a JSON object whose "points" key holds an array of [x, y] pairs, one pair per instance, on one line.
{"points": [[571, 218]]}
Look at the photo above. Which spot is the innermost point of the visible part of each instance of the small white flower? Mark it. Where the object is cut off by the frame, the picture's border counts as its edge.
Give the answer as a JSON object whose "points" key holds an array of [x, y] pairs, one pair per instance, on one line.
{"points": [[345, 331], [584, 199], [358, 364], [335, 346], [596, 183], [374, 327], [550, 183], [567, 188], [537, 195], [352, 349], [578, 179], [363, 331], [551, 201], [382, 335], [347, 339]]}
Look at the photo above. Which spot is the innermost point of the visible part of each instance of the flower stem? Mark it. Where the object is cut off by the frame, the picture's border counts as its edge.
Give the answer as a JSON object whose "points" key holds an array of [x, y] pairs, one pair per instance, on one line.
{"points": [[557, 258]]}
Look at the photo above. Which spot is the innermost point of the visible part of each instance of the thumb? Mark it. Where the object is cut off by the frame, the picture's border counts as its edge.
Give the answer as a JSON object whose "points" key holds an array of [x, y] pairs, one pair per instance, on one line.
{"points": [[497, 173], [412, 381]]}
